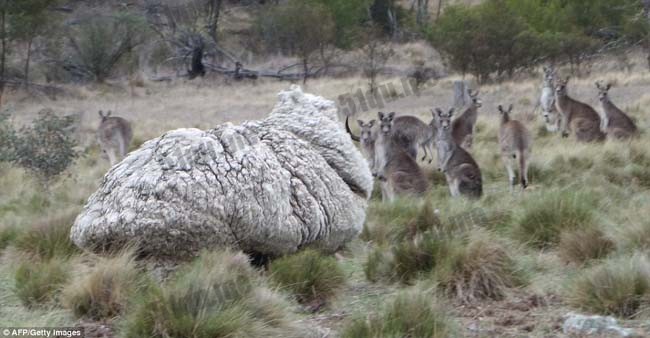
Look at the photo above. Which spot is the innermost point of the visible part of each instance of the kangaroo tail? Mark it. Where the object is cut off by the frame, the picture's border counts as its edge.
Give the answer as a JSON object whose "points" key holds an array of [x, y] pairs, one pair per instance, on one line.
{"points": [[522, 167]]}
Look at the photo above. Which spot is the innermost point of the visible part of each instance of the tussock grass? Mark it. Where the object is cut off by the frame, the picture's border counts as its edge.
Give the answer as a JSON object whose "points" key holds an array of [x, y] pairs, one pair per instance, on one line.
{"points": [[38, 283], [218, 295], [7, 236], [106, 289], [543, 216], [619, 286], [480, 268], [581, 245], [413, 313], [49, 237], [308, 275]]}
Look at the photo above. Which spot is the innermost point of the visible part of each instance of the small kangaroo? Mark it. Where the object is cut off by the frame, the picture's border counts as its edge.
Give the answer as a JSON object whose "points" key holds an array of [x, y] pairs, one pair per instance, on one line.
{"points": [[397, 171], [515, 143], [413, 133], [114, 136], [577, 116], [547, 101], [366, 138], [463, 125], [461, 171], [614, 121]]}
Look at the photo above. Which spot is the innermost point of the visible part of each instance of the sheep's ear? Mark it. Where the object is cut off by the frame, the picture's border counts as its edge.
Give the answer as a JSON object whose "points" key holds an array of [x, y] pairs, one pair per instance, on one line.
{"points": [[360, 123], [510, 108]]}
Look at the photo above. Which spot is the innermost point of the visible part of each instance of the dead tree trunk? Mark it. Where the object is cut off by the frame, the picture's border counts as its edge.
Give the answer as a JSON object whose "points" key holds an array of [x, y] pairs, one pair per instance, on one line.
{"points": [[461, 94]]}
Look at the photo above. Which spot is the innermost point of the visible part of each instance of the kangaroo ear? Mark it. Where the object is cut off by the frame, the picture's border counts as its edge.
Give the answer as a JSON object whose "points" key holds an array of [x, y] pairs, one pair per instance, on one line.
{"points": [[597, 84], [510, 108], [360, 123], [101, 113], [380, 115], [439, 112], [391, 115], [567, 79], [475, 94], [451, 111], [609, 85], [545, 69], [371, 123], [500, 108], [108, 113]]}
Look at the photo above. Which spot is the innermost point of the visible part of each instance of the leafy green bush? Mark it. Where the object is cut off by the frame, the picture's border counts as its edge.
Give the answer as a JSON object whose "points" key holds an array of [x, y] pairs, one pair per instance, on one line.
{"points": [[39, 282], [619, 286], [218, 295], [49, 237], [412, 313], [308, 275], [46, 148], [105, 291]]}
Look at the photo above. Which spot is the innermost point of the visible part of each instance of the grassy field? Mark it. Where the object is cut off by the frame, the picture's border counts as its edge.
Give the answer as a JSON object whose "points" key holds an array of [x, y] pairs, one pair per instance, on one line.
{"points": [[507, 265]]}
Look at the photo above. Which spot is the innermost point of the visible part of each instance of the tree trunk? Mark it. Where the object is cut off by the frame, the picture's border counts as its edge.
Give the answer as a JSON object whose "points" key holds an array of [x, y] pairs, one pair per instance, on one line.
{"points": [[305, 68], [461, 96], [3, 51], [28, 59], [439, 9]]}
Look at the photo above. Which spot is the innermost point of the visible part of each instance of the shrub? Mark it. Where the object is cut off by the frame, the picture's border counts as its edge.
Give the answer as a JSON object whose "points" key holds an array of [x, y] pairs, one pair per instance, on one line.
{"points": [[39, 282], [49, 237], [412, 313], [218, 295], [481, 268], [618, 287], [545, 215], [580, 245], [308, 275], [46, 148], [7, 139], [104, 291]]}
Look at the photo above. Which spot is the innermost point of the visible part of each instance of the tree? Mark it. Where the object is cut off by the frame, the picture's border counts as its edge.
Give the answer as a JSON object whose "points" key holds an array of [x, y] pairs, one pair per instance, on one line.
{"points": [[299, 28], [376, 53]]}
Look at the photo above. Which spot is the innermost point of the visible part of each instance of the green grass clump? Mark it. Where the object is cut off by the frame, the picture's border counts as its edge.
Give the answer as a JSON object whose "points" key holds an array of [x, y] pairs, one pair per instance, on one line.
{"points": [[218, 295], [412, 313], [308, 275], [618, 287], [480, 268], [8, 235], [379, 265], [37, 283], [543, 216], [49, 237], [581, 245], [105, 291]]}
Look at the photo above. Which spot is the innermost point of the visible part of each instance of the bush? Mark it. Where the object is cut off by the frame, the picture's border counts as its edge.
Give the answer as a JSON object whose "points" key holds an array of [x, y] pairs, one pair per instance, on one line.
{"points": [[544, 216], [618, 287], [412, 313], [46, 148], [218, 295], [7, 139], [105, 291], [49, 237], [308, 275], [39, 282], [581, 245]]}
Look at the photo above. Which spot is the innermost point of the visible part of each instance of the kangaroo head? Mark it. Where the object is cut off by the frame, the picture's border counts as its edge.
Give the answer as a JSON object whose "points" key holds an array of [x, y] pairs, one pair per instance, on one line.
{"points": [[549, 75], [366, 129], [561, 86], [442, 119], [505, 113], [476, 102], [603, 91], [104, 116], [386, 122]]}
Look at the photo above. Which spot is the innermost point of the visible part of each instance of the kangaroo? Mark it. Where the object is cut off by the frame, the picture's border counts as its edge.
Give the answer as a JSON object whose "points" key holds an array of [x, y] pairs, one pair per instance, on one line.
{"points": [[397, 171], [577, 116], [114, 136], [515, 143], [614, 121], [366, 138], [461, 171], [413, 133], [463, 125], [547, 101]]}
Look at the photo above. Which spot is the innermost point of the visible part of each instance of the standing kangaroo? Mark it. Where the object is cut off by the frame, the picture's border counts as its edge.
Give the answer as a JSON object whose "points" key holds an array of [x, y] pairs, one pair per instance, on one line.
{"points": [[576, 116], [397, 171], [463, 125], [114, 136], [411, 132], [515, 143], [366, 138], [461, 171], [547, 101], [615, 122]]}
